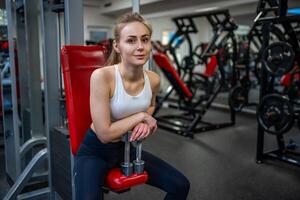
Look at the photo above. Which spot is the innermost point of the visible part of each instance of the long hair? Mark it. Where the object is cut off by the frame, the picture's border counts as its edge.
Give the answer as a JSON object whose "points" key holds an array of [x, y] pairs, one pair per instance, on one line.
{"points": [[114, 57]]}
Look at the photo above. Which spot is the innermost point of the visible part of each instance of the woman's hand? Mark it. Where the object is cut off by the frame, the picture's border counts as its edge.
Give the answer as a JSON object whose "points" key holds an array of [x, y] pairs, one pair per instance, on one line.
{"points": [[140, 132], [151, 121]]}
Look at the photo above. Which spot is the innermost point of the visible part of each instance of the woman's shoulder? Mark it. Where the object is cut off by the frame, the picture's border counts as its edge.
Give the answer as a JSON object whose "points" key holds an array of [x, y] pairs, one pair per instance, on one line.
{"points": [[103, 73], [154, 79]]}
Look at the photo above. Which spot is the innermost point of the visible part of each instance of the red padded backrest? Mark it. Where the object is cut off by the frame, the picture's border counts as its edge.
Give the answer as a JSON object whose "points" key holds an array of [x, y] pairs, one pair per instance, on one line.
{"points": [[163, 62], [211, 67], [78, 63]]}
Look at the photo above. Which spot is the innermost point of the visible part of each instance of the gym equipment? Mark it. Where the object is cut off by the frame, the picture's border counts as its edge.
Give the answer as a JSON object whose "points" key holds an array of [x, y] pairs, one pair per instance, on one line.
{"points": [[223, 28], [291, 84], [265, 8], [130, 173], [31, 24], [78, 62], [278, 58], [186, 82], [238, 98], [251, 64], [138, 162], [127, 166], [275, 114], [24, 140], [190, 121]]}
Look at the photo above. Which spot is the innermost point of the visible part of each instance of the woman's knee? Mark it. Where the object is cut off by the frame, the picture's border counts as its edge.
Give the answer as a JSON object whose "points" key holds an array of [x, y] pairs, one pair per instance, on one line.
{"points": [[183, 185]]}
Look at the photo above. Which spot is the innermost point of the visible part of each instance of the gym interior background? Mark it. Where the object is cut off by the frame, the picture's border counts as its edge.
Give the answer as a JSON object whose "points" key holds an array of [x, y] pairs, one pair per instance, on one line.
{"points": [[228, 107]]}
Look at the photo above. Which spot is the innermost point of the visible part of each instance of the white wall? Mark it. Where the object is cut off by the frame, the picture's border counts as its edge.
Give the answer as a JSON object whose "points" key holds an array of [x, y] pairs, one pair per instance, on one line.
{"points": [[166, 24], [93, 20]]}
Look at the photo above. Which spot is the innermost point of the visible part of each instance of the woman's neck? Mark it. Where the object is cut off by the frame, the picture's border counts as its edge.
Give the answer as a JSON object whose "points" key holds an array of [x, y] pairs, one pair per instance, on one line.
{"points": [[130, 73]]}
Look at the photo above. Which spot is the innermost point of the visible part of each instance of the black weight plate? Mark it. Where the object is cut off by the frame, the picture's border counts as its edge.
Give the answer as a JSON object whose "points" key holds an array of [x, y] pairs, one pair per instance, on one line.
{"points": [[275, 114], [238, 98], [278, 58]]}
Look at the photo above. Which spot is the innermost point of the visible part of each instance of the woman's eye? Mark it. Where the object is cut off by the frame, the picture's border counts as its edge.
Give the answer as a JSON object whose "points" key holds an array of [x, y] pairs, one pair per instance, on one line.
{"points": [[131, 41], [145, 40]]}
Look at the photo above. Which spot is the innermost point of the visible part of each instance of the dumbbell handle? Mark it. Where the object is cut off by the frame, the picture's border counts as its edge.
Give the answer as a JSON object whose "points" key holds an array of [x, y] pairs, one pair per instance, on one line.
{"points": [[126, 166], [125, 139], [127, 152], [139, 163], [138, 150]]}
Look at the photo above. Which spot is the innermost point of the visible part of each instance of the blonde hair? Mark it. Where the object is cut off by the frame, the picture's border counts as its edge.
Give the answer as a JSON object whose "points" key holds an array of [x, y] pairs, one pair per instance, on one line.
{"points": [[114, 57]]}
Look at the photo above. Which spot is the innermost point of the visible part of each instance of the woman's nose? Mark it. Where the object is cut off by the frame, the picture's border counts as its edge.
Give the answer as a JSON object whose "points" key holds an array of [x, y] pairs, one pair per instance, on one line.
{"points": [[140, 45]]}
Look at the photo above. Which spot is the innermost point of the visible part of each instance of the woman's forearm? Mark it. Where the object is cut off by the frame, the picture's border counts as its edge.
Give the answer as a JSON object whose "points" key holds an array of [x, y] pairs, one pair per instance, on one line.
{"points": [[116, 129]]}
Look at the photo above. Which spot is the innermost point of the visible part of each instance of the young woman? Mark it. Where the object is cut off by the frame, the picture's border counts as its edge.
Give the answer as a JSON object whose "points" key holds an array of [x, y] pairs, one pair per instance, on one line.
{"points": [[122, 98]]}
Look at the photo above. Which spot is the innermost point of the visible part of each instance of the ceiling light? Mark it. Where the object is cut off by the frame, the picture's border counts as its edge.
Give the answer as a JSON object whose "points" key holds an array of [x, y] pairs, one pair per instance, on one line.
{"points": [[206, 9]]}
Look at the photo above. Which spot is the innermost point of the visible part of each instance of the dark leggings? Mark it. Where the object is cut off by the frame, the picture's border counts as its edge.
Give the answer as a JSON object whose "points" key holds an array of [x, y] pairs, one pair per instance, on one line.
{"points": [[94, 159]]}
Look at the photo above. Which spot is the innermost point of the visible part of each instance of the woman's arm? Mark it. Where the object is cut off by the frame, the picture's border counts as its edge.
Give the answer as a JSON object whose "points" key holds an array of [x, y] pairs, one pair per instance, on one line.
{"points": [[155, 85], [142, 130], [100, 109]]}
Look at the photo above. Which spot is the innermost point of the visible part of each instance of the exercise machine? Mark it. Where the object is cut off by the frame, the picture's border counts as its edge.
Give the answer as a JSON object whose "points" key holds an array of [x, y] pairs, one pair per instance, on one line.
{"points": [[276, 113]]}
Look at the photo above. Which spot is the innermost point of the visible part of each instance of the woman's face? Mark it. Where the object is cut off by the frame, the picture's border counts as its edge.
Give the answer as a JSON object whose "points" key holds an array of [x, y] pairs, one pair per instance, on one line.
{"points": [[134, 45]]}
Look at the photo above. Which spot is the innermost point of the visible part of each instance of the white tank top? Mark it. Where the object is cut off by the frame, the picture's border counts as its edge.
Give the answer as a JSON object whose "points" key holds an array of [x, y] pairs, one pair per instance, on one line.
{"points": [[122, 104]]}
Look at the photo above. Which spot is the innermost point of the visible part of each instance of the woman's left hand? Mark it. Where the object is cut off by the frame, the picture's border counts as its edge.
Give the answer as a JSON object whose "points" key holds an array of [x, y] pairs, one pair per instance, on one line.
{"points": [[140, 131]]}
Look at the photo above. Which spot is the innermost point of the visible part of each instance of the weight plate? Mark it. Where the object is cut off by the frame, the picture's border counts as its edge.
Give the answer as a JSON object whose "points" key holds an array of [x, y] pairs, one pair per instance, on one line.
{"points": [[275, 114], [278, 58], [238, 97]]}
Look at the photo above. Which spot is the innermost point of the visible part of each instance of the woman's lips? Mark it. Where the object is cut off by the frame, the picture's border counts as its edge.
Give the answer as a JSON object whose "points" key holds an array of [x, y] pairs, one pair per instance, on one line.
{"points": [[140, 56]]}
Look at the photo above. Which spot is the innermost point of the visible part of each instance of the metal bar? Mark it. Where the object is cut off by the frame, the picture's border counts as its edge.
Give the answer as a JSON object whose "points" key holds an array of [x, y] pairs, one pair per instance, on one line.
{"points": [[14, 133], [139, 151], [127, 152], [26, 175], [204, 14], [262, 92], [51, 63], [282, 157], [293, 18], [37, 194], [23, 73], [31, 143], [32, 30], [74, 22], [136, 6]]}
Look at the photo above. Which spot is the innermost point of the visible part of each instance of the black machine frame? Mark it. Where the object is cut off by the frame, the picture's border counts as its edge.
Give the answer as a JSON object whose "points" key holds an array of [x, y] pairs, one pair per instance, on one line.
{"points": [[190, 122], [282, 153]]}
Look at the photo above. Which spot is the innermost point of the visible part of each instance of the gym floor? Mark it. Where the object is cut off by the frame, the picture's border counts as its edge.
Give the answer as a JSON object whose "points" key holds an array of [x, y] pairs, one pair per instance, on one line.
{"points": [[219, 164]]}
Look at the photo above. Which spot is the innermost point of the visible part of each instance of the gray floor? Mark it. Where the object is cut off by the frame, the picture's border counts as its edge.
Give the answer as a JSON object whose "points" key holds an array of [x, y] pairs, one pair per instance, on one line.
{"points": [[219, 164]]}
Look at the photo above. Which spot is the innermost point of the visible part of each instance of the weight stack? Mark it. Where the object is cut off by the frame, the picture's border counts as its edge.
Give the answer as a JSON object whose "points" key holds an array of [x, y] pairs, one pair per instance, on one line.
{"points": [[61, 163]]}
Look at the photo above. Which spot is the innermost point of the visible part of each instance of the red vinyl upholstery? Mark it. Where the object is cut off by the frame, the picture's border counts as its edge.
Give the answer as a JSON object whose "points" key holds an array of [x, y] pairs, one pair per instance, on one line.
{"points": [[78, 63], [118, 182], [286, 79], [211, 67], [163, 62]]}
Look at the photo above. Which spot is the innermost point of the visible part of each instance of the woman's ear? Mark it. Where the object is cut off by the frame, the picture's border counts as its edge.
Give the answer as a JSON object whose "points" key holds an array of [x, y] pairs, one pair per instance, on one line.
{"points": [[116, 46]]}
